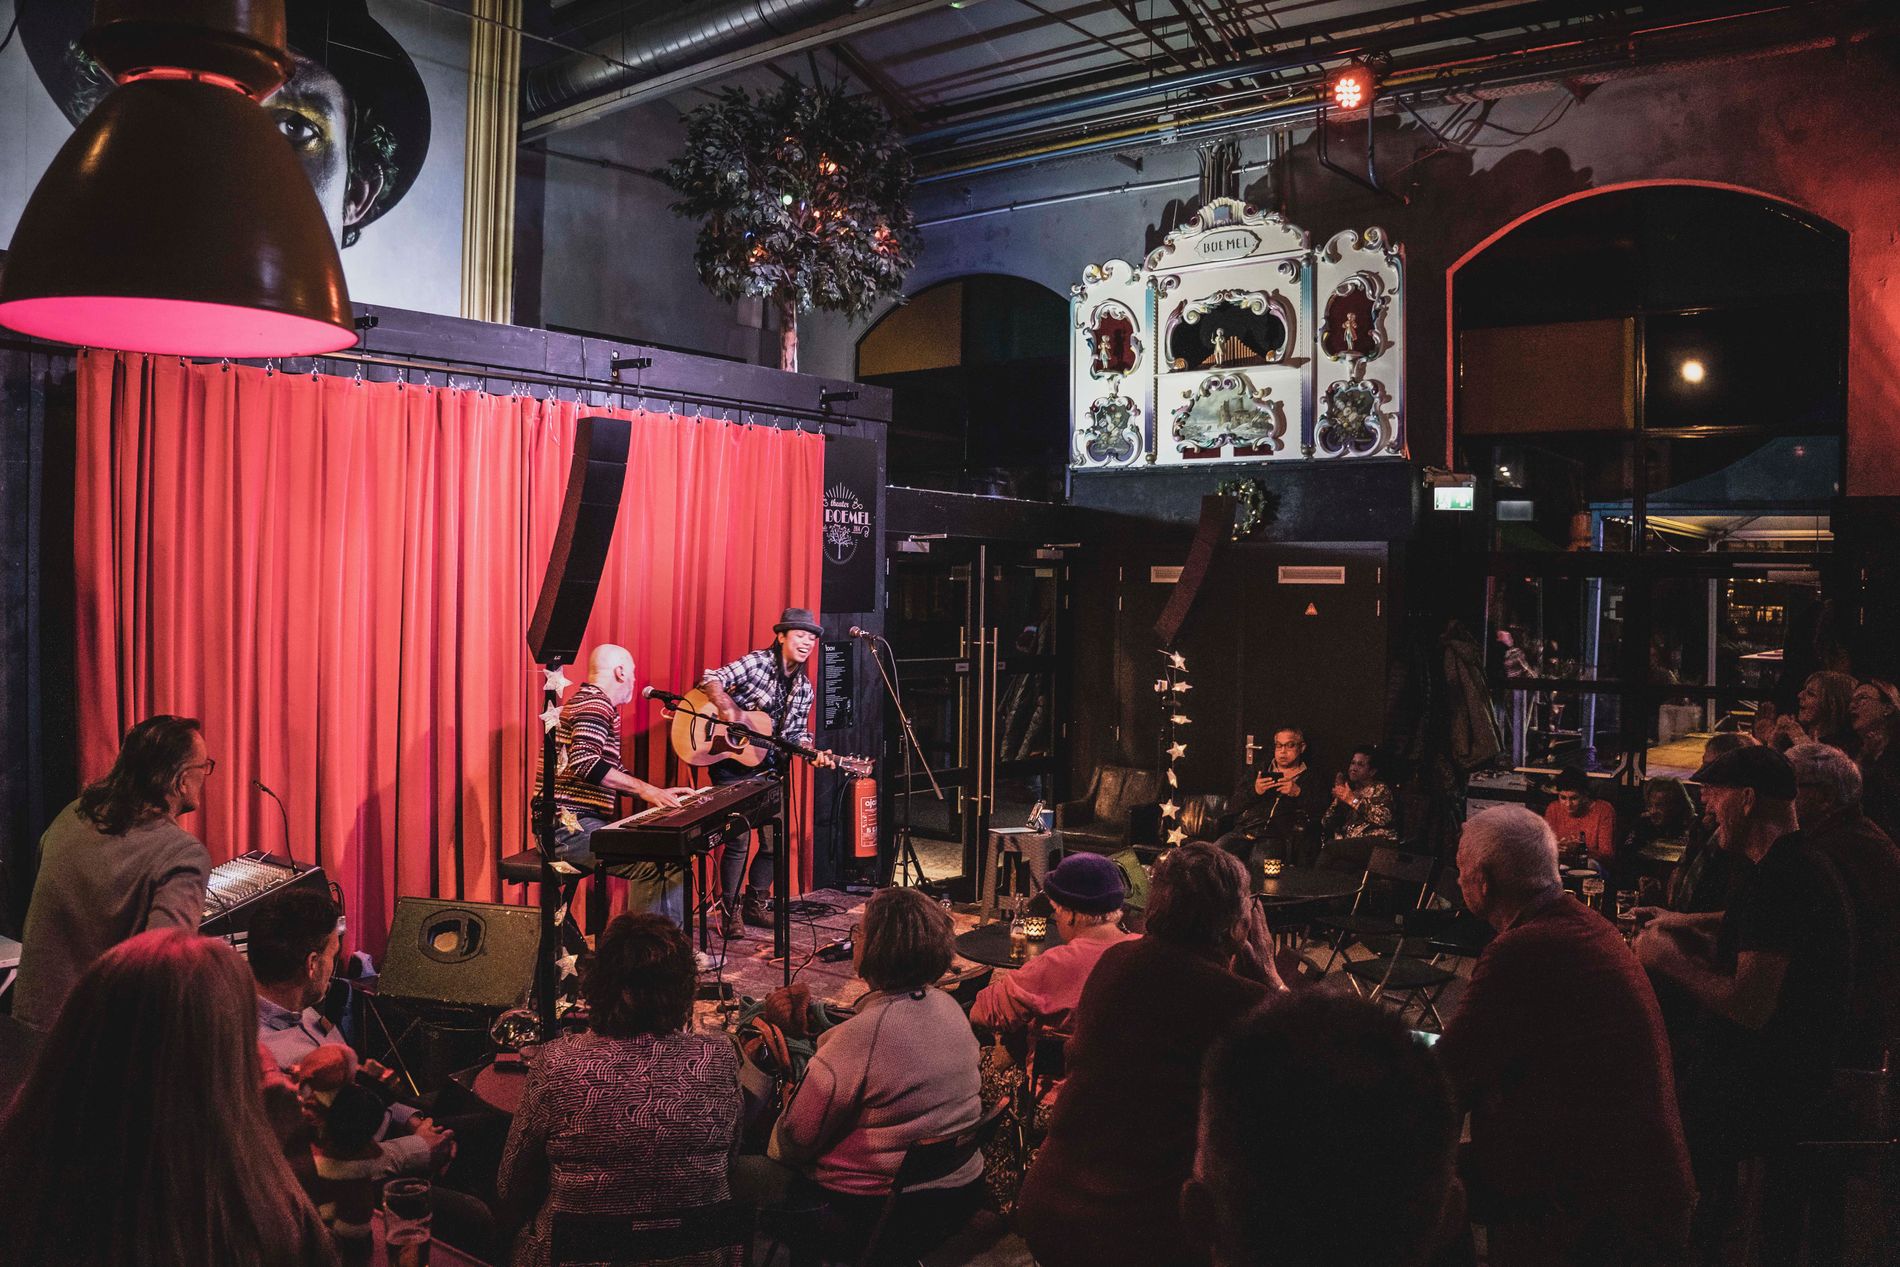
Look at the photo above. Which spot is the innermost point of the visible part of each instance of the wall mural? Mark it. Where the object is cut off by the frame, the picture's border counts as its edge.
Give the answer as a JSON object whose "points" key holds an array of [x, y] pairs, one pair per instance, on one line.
{"points": [[357, 109], [1237, 341]]}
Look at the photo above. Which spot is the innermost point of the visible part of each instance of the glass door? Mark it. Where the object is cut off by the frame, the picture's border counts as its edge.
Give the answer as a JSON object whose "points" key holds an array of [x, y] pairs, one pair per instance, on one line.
{"points": [[976, 633]]}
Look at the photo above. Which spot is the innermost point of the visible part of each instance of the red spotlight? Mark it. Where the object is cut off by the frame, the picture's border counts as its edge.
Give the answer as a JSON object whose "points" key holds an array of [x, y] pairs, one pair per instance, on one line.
{"points": [[1354, 87]]}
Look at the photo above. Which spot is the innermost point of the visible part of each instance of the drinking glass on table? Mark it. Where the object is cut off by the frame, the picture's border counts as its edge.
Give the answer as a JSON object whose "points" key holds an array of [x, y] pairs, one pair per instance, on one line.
{"points": [[1593, 892], [406, 1233], [1626, 914]]}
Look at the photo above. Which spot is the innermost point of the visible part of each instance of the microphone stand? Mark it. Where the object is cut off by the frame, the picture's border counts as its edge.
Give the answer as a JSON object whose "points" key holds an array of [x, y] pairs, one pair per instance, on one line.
{"points": [[904, 860], [282, 813]]}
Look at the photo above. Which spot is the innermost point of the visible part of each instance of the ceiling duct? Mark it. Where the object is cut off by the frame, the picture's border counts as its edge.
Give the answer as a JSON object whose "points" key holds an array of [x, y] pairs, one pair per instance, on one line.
{"points": [[647, 49]]}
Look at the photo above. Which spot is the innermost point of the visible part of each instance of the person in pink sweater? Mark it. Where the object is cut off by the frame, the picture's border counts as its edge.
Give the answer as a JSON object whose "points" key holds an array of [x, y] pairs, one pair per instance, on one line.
{"points": [[1086, 892]]}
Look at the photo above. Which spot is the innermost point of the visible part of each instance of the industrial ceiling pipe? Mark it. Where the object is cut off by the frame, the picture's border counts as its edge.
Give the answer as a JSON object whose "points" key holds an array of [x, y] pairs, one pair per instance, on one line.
{"points": [[650, 48]]}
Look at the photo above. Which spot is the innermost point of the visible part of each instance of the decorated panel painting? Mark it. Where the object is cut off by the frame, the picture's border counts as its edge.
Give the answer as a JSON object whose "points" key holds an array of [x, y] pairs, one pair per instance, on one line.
{"points": [[1237, 341]]}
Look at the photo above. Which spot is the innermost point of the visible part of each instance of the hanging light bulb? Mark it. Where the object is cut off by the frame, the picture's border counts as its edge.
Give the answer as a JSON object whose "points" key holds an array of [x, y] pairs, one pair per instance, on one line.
{"points": [[176, 219]]}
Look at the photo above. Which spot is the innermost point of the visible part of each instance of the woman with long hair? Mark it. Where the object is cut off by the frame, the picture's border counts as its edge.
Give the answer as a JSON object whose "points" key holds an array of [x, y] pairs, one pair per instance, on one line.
{"points": [[1822, 714], [141, 1136]]}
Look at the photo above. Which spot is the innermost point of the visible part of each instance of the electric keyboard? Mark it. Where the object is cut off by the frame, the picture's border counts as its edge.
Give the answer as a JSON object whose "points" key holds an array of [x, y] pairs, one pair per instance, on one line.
{"points": [[660, 834], [235, 889]]}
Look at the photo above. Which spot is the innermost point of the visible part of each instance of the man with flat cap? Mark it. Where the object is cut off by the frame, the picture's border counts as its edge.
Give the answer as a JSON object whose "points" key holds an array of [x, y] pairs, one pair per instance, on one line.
{"points": [[773, 681], [1770, 975]]}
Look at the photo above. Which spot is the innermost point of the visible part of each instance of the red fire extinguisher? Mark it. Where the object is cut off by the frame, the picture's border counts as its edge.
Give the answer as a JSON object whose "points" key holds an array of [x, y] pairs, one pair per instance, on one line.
{"points": [[863, 798]]}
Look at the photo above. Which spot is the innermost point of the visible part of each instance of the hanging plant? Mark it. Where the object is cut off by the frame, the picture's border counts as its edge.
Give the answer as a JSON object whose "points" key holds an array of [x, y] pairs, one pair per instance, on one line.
{"points": [[802, 195]]}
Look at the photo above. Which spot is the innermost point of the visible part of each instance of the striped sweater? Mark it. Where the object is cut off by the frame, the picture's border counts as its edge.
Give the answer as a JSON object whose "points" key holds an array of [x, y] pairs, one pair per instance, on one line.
{"points": [[586, 747]]}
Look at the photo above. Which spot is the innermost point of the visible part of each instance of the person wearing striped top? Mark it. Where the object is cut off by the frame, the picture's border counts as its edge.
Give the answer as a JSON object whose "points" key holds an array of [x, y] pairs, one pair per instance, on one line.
{"points": [[771, 680], [589, 780]]}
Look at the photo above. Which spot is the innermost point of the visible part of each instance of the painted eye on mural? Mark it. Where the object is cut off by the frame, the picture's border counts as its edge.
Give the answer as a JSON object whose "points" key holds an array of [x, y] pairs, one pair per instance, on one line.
{"points": [[299, 129]]}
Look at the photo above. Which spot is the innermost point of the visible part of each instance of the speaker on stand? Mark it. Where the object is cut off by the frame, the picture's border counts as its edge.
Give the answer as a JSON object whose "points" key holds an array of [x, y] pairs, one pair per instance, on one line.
{"points": [[589, 510], [450, 969]]}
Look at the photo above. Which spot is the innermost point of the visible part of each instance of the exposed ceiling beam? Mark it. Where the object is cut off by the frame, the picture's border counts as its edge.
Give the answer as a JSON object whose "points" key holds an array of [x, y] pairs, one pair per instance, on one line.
{"points": [[818, 35]]}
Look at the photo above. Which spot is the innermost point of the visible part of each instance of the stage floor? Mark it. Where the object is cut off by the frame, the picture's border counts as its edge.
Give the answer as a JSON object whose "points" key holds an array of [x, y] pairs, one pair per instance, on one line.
{"points": [[818, 918]]}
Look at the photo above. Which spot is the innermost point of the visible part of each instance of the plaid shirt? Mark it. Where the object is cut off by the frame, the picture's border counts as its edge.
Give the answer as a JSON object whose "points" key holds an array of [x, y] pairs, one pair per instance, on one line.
{"points": [[755, 684]]}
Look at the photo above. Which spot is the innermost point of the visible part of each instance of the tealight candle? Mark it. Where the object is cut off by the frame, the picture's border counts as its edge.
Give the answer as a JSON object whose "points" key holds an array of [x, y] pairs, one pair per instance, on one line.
{"points": [[1271, 866], [1035, 927]]}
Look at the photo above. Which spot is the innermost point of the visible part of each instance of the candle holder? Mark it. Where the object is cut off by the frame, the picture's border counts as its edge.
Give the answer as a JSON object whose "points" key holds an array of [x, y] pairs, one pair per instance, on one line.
{"points": [[1035, 927], [1271, 866]]}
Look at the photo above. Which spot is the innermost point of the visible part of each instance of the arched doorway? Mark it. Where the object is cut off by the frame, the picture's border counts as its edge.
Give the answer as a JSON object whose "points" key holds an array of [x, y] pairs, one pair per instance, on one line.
{"points": [[979, 366], [1650, 384]]}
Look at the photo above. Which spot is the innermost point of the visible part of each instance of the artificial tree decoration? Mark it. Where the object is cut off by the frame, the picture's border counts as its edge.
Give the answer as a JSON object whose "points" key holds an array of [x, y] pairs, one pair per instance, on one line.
{"points": [[803, 198]]}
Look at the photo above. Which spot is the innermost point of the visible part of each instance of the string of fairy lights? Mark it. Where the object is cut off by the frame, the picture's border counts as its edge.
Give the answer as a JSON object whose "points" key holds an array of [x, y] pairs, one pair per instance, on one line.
{"points": [[1173, 686]]}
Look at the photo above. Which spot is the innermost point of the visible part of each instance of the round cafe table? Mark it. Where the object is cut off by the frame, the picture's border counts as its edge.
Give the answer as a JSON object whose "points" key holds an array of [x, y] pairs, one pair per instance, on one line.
{"points": [[1302, 884], [990, 945]]}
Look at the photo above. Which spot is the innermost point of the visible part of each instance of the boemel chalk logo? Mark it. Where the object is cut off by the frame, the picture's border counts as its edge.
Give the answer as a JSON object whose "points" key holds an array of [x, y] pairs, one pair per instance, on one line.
{"points": [[847, 523]]}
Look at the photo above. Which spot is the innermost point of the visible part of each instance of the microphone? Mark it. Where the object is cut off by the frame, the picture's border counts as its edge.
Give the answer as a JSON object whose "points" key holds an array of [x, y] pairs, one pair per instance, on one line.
{"points": [[654, 692], [866, 634], [282, 813]]}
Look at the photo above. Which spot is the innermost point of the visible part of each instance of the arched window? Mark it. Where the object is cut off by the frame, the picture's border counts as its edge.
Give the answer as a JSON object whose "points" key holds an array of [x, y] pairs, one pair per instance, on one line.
{"points": [[980, 370], [1650, 384]]}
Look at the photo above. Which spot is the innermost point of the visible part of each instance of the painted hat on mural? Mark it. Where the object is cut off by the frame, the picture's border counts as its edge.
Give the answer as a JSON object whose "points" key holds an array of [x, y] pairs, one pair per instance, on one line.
{"points": [[798, 618], [389, 107]]}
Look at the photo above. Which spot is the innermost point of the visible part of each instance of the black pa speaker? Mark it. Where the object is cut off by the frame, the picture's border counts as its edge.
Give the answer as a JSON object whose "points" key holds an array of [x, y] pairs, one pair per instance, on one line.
{"points": [[588, 512], [472, 953]]}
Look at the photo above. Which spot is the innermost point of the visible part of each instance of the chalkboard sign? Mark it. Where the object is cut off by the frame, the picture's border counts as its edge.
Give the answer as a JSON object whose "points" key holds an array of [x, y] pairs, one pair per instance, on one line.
{"points": [[838, 670]]}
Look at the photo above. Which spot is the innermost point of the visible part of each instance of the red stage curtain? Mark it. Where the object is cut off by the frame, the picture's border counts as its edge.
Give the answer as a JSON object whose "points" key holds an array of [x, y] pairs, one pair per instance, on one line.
{"points": [[336, 577]]}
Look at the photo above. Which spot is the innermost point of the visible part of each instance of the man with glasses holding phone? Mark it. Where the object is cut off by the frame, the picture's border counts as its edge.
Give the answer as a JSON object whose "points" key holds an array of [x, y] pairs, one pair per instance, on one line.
{"points": [[116, 863]]}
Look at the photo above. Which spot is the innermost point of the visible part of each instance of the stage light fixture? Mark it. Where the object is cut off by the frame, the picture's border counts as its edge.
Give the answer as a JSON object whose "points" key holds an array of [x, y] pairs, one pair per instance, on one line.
{"points": [[1693, 371], [176, 219], [1354, 87]]}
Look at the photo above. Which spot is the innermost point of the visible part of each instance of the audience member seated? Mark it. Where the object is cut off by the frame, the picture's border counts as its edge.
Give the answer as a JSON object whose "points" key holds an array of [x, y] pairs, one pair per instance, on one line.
{"points": [[1875, 710], [293, 947], [1363, 811], [1828, 805], [1579, 817], [115, 862], [637, 1115], [141, 1134], [902, 1069], [1823, 714], [1558, 1050], [1703, 880], [1105, 1189], [1276, 809], [1327, 1138], [1770, 975], [1667, 817], [1085, 895]]}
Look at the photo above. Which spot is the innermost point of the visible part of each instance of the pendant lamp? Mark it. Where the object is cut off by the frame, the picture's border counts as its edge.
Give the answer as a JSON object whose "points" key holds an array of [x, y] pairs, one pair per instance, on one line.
{"points": [[177, 219]]}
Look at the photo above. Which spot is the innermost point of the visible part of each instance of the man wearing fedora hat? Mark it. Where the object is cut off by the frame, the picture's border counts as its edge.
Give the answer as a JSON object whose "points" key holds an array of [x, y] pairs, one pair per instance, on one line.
{"points": [[773, 681]]}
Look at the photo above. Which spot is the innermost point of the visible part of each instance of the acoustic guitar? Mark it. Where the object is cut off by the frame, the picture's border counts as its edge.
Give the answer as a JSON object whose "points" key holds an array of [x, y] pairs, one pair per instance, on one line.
{"points": [[701, 738]]}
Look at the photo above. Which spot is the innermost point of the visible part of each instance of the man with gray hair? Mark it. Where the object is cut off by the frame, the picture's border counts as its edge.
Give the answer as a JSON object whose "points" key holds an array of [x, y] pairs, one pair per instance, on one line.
{"points": [[1557, 1003], [1827, 789]]}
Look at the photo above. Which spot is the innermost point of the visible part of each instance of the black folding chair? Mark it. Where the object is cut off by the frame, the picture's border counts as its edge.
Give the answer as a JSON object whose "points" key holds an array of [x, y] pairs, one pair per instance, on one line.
{"points": [[646, 1238], [1393, 877], [926, 1161]]}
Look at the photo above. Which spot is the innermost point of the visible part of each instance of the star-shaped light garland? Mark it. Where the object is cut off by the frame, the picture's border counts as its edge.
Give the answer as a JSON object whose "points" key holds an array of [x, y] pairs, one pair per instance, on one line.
{"points": [[567, 963], [1172, 686], [555, 680], [550, 716]]}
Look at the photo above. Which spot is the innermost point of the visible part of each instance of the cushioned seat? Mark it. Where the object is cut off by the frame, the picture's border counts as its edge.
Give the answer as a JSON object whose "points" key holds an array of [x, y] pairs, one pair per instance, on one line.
{"points": [[522, 868], [1098, 822]]}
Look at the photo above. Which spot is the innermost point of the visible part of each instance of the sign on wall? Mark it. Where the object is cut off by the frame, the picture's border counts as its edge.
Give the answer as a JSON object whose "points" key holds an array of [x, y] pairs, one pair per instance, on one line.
{"points": [[1237, 341], [372, 85], [849, 510]]}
